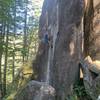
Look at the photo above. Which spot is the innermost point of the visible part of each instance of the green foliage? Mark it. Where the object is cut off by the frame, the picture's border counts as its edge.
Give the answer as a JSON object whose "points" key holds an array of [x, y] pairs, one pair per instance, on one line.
{"points": [[12, 14], [73, 97], [80, 90], [24, 51], [21, 79], [4, 9]]}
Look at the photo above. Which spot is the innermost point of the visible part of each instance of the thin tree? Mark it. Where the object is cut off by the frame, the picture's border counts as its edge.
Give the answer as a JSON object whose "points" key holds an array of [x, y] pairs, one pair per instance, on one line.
{"points": [[25, 33], [13, 68], [6, 59]]}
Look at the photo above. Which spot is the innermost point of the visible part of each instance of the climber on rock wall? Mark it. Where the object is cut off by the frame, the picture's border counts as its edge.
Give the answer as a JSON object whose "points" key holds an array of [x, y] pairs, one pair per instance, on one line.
{"points": [[50, 41], [47, 39]]}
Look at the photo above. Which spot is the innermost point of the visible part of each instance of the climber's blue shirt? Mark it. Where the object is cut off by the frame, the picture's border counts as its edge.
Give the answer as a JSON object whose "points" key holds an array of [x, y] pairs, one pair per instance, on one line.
{"points": [[45, 38]]}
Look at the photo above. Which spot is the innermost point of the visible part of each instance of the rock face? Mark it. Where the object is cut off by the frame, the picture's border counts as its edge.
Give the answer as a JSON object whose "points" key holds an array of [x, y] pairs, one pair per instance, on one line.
{"points": [[92, 29], [36, 91], [62, 20], [95, 34], [91, 69]]}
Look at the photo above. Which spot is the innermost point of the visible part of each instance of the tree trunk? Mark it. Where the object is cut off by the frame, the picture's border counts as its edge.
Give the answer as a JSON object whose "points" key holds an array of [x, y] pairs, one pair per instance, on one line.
{"points": [[5, 66], [1, 51], [13, 68], [25, 34]]}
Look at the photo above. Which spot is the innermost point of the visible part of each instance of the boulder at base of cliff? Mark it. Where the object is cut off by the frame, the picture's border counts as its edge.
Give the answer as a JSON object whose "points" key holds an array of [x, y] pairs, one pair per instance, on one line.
{"points": [[36, 91], [91, 77]]}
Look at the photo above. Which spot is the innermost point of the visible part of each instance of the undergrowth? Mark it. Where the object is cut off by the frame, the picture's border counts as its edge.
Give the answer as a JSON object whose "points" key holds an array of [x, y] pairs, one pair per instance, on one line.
{"points": [[79, 92]]}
